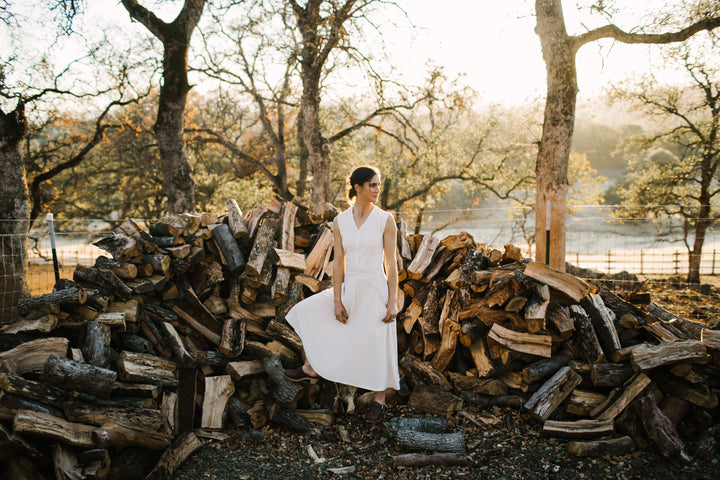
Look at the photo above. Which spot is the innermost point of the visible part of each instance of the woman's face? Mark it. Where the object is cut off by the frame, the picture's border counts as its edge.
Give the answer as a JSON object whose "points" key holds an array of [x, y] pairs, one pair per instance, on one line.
{"points": [[370, 190]]}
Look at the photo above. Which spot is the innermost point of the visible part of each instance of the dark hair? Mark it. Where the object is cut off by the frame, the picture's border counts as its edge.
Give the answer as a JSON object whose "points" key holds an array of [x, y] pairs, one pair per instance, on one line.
{"points": [[360, 176]]}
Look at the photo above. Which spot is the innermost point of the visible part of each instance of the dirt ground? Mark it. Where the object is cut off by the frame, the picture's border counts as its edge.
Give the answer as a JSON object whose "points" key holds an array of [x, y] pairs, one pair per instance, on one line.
{"points": [[505, 445]]}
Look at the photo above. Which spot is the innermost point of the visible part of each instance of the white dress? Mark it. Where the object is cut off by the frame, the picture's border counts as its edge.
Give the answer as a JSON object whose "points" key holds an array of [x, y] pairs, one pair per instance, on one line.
{"points": [[363, 351]]}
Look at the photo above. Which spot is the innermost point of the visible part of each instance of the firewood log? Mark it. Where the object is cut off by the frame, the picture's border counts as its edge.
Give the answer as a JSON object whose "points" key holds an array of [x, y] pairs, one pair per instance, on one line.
{"points": [[124, 270], [603, 323], [236, 222], [546, 399], [559, 317], [421, 460], [180, 450], [119, 435], [318, 256], [123, 248], [481, 360], [45, 324], [65, 463], [284, 391], [487, 386], [583, 403], [439, 442], [418, 372], [67, 297], [542, 369], [242, 369], [265, 241], [173, 339], [632, 390], [88, 414], [586, 336], [104, 279], [145, 368], [54, 428], [287, 229], [403, 244], [610, 374], [417, 424], [569, 285], [596, 448], [423, 256], [646, 357], [697, 394], [96, 347], [578, 429], [661, 430], [70, 375], [33, 390], [536, 309], [232, 256], [218, 390], [533, 344]]}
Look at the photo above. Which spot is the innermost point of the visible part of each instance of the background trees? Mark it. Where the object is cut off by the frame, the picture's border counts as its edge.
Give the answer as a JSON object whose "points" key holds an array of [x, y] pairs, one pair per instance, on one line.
{"points": [[559, 50], [674, 171]]}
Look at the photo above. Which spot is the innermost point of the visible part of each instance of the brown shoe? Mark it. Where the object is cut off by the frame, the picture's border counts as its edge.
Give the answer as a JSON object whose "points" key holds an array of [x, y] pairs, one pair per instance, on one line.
{"points": [[375, 413], [298, 375]]}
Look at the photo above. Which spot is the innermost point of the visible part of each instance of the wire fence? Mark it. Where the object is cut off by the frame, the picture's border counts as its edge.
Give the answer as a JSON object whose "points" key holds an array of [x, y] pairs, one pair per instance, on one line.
{"points": [[596, 241]]}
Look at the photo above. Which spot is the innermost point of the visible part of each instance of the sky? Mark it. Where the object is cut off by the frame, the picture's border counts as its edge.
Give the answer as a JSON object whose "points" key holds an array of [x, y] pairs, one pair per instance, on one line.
{"points": [[491, 43]]}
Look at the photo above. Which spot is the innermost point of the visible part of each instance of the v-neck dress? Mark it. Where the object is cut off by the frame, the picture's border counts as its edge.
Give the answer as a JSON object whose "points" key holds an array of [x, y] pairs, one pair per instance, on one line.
{"points": [[363, 351]]}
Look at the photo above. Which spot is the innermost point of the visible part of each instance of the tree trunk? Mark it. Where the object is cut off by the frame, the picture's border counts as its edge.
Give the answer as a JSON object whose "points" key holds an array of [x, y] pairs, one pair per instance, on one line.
{"points": [[175, 37], [14, 213], [701, 226], [554, 149]]}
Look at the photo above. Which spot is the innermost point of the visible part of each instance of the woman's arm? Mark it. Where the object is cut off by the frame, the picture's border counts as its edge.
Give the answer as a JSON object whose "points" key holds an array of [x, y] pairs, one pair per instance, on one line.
{"points": [[338, 273], [390, 254]]}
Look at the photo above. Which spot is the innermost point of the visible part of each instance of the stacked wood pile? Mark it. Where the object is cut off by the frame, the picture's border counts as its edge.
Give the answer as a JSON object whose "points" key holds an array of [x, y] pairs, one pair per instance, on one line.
{"points": [[180, 332]]}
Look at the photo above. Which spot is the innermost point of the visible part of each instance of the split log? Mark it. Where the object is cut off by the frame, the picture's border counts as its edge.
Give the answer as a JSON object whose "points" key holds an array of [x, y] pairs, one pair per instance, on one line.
{"points": [[218, 391], [449, 332], [54, 428], [236, 222], [661, 430], [533, 344], [602, 321], [182, 448], [596, 448], [710, 338], [571, 286], [288, 417], [582, 403], [145, 368], [61, 298], [486, 386], [633, 389], [232, 256], [698, 394], [483, 364], [240, 370], [579, 429], [160, 263], [279, 289], [536, 309], [559, 317], [65, 463], [262, 246], [232, 340], [439, 442], [552, 393], [44, 324], [125, 435], [403, 244], [586, 336], [283, 332], [323, 417], [289, 259], [70, 375], [94, 463], [197, 326], [315, 260], [423, 256], [94, 415], [420, 460], [419, 372], [646, 357], [287, 226], [31, 356]]}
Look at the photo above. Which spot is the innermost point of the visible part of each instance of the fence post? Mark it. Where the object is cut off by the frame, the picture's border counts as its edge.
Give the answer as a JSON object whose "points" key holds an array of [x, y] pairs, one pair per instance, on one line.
{"points": [[677, 262], [642, 257], [609, 261], [577, 259], [713, 264]]}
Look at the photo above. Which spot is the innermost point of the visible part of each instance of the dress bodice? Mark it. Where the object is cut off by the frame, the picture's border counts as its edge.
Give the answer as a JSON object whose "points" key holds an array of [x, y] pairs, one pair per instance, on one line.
{"points": [[363, 246]]}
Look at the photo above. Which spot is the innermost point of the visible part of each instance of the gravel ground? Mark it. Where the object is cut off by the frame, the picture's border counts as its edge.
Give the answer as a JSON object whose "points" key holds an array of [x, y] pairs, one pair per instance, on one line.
{"points": [[508, 445]]}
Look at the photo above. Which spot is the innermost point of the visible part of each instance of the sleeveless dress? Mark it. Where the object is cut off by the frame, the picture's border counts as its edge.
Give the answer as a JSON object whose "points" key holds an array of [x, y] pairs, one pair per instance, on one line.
{"points": [[363, 351]]}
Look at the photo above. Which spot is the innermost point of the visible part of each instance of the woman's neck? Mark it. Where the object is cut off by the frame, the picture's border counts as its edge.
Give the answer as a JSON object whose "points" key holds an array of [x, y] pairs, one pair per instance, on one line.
{"points": [[362, 208]]}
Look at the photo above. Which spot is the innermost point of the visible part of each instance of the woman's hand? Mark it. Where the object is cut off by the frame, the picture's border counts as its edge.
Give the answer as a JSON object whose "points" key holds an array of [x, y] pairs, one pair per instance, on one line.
{"points": [[340, 313], [391, 313]]}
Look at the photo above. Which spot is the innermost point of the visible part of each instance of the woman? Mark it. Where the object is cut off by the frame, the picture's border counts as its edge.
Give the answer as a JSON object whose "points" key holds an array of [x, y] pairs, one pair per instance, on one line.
{"points": [[348, 332]]}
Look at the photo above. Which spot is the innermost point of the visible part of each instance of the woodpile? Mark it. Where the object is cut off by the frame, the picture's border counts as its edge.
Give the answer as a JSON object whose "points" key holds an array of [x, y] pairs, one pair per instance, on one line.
{"points": [[179, 333]]}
